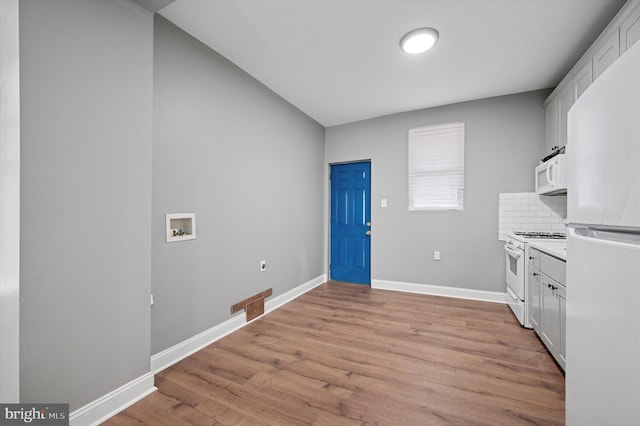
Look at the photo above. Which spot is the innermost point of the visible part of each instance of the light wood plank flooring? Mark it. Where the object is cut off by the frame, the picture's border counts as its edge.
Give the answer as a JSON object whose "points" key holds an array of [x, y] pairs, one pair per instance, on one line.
{"points": [[345, 354]]}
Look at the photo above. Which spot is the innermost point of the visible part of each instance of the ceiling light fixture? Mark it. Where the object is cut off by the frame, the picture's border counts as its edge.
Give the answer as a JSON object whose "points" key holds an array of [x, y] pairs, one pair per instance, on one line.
{"points": [[419, 40]]}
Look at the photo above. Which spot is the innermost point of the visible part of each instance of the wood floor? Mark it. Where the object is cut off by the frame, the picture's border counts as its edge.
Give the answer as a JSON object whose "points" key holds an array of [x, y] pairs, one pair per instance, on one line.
{"points": [[345, 354]]}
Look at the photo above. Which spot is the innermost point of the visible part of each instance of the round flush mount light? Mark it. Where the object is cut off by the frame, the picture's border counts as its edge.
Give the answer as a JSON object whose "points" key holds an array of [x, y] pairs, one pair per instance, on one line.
{"points": [[419, 40]]}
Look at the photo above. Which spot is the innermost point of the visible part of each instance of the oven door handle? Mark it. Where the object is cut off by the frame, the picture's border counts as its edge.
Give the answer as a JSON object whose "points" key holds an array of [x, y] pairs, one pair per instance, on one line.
{"points": [[515, 253], [511, 294]]}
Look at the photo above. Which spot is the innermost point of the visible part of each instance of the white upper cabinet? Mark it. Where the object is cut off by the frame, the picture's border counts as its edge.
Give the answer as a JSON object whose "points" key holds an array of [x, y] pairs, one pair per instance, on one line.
{"points": [[552, 115], [565, 99], [630, 30], [607, 54], [582, 80], [556, 115], [621, 33]]}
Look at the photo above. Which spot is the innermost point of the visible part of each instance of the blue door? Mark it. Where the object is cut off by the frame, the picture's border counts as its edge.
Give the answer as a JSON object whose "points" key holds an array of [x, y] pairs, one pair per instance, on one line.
{"points": [[351, 222]]}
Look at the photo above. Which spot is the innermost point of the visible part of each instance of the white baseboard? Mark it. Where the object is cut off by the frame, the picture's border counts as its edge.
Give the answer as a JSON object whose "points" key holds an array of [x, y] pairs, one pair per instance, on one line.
{"points": [[112, 403], [177, 352], [287, 297], [437, 290]]}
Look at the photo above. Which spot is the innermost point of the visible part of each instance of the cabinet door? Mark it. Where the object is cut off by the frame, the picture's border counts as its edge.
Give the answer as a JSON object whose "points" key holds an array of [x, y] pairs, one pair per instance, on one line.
{"points": [[562, 350], [630, 30], [607, 54], [565, 98], [556, 117], [550, 315], [534, 258], [552, 113], [533, 299], [583, 79]]}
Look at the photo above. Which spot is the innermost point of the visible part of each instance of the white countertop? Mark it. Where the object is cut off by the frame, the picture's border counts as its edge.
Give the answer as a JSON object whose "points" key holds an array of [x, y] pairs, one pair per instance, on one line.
{"points": [[554, 248]]}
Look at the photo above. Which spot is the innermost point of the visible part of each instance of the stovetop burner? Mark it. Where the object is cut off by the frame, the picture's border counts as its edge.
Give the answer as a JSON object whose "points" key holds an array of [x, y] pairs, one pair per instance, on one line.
{"points": [[545, 235]]}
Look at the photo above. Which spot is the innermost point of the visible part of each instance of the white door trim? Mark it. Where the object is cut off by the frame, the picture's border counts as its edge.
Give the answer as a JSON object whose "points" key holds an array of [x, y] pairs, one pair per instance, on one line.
{"points": [[10, 202]]}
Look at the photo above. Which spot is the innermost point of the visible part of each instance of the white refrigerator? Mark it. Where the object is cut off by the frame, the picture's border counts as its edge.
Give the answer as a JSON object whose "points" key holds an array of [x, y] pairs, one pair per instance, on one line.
{"points": [[603, 250]]}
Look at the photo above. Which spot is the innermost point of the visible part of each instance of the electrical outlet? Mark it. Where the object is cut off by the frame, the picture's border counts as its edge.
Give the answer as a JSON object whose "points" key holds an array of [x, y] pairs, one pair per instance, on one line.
{"points": [[263, 265], [436, 255]]}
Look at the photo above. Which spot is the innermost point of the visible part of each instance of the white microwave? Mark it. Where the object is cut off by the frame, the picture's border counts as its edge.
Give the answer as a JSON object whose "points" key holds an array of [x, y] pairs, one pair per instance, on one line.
{"points": [[551, 176]]}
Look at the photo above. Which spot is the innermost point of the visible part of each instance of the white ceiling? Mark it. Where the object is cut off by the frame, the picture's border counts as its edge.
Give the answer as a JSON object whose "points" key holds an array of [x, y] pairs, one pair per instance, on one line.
{"points": [[339, 61]]}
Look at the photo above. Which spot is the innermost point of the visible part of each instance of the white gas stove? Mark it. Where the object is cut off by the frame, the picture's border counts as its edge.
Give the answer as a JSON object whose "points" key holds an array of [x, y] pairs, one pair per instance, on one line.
{"points": [[517, 268]]}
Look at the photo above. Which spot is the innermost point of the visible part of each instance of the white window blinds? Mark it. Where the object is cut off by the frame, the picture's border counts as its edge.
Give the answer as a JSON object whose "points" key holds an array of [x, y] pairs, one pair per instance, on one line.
{"points": [[436, 167]]}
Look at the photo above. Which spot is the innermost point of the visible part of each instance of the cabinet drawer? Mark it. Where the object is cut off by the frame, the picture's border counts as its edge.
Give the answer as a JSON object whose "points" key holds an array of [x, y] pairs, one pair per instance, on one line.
{"points": [[534, 258], [554, 268]]}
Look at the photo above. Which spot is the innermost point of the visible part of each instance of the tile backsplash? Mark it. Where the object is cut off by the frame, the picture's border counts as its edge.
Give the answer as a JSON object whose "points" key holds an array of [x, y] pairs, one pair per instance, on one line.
{"points": [[528, 211]]}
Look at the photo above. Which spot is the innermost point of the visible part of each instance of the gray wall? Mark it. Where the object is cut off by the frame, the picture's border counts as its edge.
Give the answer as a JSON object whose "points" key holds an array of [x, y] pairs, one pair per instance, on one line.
{"points": [[250, 166], [505, 137], [86, 109]]}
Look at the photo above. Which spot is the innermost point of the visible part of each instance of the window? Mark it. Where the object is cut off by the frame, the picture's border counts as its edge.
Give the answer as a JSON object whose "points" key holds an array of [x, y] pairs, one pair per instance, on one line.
{"points": [[436, 167]]}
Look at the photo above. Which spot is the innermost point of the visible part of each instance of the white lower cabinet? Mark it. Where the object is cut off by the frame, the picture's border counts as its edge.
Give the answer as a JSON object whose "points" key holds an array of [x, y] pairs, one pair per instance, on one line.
{"points": [[548, 301], [562, 352], [533, 298]]}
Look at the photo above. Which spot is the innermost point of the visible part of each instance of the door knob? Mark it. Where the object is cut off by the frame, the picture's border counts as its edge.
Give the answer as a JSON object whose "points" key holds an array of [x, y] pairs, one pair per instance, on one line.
{"points": [[367, 233], [369, 224]]}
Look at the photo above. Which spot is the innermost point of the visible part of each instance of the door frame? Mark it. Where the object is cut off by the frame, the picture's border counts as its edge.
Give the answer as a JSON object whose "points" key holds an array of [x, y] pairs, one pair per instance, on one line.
{"points": [[328, 210], [10, 213]]}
